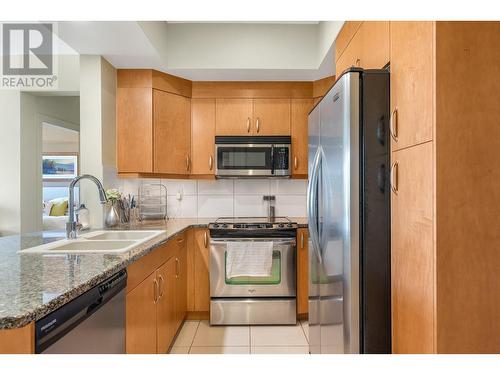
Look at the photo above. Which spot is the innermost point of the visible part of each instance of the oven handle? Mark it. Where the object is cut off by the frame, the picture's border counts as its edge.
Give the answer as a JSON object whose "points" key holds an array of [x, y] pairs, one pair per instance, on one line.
{"points": [[284, 241]]}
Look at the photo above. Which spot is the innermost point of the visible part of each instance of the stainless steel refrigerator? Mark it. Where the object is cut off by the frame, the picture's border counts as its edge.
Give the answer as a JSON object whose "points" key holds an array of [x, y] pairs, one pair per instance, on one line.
{"points": [[348, 209]]}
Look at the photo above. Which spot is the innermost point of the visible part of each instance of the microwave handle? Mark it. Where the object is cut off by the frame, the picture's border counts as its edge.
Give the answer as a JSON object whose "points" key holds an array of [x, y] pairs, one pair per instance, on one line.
{"points": [[272, 159]]}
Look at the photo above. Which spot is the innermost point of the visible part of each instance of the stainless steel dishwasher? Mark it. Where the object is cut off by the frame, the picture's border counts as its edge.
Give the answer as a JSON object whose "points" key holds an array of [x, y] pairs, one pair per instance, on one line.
{"points": [[93, 323]]}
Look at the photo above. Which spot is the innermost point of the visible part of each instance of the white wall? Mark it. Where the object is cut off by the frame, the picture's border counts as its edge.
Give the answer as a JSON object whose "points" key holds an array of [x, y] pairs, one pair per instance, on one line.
{"points": [[97, 134], [227, 197], [10, 161]]}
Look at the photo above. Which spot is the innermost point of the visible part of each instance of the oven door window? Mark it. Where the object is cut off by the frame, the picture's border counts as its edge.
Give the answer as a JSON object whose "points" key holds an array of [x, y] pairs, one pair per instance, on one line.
{"points": [[244, 158], [273, 279]]}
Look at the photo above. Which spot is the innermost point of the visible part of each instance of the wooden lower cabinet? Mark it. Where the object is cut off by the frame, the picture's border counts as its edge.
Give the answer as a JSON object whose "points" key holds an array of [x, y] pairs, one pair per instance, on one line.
{"points": [[412, 248], [141, 318], [302, 272], [156, 307], [201, 279]]}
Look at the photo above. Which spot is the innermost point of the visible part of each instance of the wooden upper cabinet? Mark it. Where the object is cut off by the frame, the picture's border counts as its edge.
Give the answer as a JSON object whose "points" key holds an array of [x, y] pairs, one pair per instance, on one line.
{"points": [[412, 250], [202, 141], [368, 48], [134, 130], [271, 116], [412, 66], [302, 271], [233, 116], [172, 133], [299, 119], [140, 331]]}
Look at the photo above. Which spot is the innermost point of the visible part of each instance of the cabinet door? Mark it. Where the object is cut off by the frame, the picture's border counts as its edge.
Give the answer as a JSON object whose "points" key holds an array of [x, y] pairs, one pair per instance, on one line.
{"points": [[233, 116], [166, 313], [172, 133], [302, 271], [300, 111], [271, 116], [134, 130], [203, 136], [412, 255], [351, 55], [411, 83], [201, 270], [181, 279], [140, 329]]}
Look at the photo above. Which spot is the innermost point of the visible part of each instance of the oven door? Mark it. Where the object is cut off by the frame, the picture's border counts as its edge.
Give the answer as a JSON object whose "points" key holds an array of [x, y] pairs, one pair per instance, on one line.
{"points": [[235, 160], [282, 281]]}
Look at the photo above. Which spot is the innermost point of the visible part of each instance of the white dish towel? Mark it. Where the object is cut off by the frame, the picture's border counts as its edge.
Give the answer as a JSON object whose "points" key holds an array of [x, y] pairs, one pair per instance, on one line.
{"points": [[249, 258]]}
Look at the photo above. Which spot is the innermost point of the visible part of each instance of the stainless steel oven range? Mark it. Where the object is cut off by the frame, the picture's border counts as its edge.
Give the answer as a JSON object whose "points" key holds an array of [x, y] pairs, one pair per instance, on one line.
{"points": [[250, 299]]}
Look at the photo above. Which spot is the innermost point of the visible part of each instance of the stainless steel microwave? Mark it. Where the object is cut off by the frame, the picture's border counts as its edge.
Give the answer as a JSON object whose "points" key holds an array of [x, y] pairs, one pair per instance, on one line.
{"points": [[247, 156]]}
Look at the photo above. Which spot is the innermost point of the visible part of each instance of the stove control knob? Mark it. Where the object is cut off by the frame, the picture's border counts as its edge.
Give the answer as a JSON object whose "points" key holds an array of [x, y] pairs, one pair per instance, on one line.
{"points": [[289, 225], [281, 225], [224, 225], [216, 225]]}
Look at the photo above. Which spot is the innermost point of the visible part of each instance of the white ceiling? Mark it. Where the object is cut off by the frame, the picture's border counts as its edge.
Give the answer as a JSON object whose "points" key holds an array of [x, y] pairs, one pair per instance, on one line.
{"points": [[211, 50]]}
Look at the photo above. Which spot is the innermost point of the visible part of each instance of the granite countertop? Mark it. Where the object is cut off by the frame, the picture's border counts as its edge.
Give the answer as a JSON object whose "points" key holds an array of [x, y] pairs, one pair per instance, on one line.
{"points": [[35, 284]]}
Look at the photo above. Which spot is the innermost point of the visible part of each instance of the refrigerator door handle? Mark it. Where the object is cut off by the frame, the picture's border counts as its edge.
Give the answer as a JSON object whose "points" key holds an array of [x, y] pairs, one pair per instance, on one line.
{"points": [[312, 206]]}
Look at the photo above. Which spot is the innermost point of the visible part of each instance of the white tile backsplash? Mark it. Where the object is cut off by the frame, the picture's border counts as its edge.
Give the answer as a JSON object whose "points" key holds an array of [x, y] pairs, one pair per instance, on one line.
{"points": [[291, 205], [215, 205], [227, 197], [250, 205], [251, 187], [215, 187], [289, 187]]}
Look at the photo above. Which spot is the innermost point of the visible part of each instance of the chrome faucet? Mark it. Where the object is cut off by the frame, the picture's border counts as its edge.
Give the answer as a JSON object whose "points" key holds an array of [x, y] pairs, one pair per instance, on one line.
{"points": [[72, 224]]}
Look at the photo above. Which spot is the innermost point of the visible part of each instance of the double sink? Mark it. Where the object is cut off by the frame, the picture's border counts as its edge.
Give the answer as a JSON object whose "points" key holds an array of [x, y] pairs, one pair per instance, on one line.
{"points": [[118, 241]]}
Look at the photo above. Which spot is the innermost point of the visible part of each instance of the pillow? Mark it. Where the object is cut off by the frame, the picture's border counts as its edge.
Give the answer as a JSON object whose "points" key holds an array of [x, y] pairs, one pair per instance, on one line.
{"points": [[59, 207], [47, 206]]}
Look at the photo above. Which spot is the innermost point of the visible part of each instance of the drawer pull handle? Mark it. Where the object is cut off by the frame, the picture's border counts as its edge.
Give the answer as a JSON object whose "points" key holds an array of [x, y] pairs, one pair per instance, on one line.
{"points": [[155, 291], [394, 177], [257, 125], [160, 286], [393, 124], [302, 240], [177, 267], [210, 162], [187, 163], [248, 125], [205, 239], [295, 162]]}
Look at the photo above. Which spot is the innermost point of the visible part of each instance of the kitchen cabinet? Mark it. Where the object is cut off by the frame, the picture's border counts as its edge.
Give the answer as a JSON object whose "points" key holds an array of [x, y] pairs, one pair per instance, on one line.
{"points": [[412, 65], [167, 316], [271, 116], [18, 340], [299, 120], [302, 272], [368, 48], [234, 117], [252, 117], [134, 130], [156, 298], [202, 141], [153, 124], [141, 317], [172, 133], [201, 290], [412, 250]]}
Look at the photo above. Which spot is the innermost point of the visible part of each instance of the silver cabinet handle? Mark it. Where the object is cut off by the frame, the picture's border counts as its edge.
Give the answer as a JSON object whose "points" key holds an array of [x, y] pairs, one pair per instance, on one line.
{"points": [[302, 240], [248, 125], [393, 124], [177, 267], [295, 162], [187, 163], [155, 291], [160, 286], [394, 177], [210, 162], [205, 239], [257, 124]]}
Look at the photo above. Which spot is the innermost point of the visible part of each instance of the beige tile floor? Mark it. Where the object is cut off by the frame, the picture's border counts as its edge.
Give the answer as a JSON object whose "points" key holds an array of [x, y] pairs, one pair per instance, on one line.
{"points": [[198, 337]]}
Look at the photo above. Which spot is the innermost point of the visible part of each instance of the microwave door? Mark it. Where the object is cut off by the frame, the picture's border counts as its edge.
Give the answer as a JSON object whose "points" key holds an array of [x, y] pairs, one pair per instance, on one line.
{"points": [[244, 160]]}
